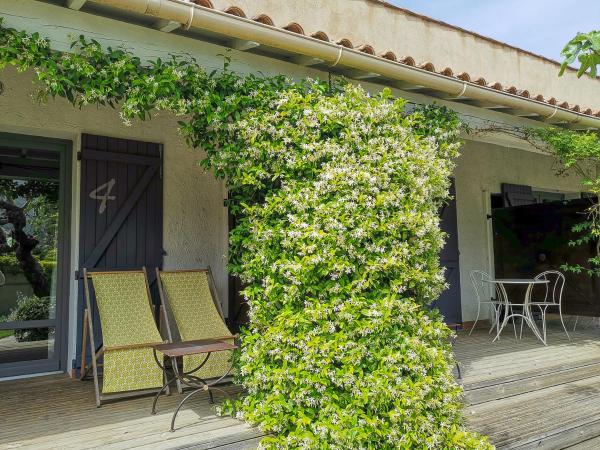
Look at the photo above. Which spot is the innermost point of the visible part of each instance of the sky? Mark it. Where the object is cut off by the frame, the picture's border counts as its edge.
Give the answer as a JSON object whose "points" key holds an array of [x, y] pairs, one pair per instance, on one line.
{"points": [[540, 26]]}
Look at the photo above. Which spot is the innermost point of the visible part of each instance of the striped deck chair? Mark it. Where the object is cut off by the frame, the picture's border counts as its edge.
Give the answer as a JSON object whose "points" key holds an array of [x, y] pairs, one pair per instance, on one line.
{"points": [[128, 332], [191, 297]]}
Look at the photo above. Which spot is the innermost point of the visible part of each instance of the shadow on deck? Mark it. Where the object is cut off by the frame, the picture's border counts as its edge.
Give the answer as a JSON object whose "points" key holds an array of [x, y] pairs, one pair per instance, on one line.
{"points": [[524, 395], [56, 412]]}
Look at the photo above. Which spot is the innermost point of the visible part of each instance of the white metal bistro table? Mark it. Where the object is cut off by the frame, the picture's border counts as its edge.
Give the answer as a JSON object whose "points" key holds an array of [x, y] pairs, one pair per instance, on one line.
{"points": [[525, 314]]}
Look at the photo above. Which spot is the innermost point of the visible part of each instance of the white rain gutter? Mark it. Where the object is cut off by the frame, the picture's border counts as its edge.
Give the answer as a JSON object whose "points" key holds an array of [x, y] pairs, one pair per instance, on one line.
{"points": [[193, 16]]}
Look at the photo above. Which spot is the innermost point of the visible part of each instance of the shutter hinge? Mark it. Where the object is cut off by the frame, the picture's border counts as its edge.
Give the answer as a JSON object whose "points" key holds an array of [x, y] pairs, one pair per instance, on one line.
{"points": [[77, 274], [79, 155]]}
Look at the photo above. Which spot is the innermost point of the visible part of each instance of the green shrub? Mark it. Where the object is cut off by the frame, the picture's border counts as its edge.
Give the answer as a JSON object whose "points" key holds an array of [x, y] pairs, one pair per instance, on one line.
{"points": [[31, 308], [10, 264]]}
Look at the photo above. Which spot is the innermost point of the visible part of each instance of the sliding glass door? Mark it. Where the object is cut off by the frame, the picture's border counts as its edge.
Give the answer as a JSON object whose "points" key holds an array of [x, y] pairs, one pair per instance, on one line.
{"points": [[33, 297]]}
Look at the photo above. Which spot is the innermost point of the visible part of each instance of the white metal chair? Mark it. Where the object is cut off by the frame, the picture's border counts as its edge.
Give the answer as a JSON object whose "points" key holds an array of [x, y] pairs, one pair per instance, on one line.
{"points": [[552, 297], [480, 279]]}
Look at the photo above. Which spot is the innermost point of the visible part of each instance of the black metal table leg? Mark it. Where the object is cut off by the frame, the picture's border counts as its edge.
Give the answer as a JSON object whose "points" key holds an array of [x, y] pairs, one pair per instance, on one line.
{"points": [[188, 378], [181, 404], [165, 386]]}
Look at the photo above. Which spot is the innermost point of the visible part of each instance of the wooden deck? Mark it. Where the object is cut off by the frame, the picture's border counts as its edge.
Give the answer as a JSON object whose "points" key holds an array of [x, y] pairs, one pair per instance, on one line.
{"points": [[518, 392], [56, 412], [524, 395]]}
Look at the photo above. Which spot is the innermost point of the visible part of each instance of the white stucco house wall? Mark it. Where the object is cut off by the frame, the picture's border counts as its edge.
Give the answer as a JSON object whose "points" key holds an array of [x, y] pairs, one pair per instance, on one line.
{"points": [[368, 41]]}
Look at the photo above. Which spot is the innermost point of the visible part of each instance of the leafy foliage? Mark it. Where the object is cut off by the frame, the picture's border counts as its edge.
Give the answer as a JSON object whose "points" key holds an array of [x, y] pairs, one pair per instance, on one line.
{"points": [[39, 201], [31, 308], [337, 195], [580, 152], [584, 48], [10, 264]]}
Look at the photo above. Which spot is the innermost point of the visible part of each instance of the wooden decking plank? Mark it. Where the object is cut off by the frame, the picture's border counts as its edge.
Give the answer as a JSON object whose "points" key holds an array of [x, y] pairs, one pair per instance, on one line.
{"points": [[548, 402], [189, 437], [245, 439], [120, 413], [590, 444], [531, 383], [524, 395], [66, 417], [559, 436], [530, 374], [244, 445], [562, 438], [523, 363]]}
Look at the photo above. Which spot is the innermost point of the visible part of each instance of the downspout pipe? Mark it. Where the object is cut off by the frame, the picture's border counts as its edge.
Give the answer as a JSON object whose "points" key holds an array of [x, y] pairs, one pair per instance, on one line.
{"points": [[191, 15]]}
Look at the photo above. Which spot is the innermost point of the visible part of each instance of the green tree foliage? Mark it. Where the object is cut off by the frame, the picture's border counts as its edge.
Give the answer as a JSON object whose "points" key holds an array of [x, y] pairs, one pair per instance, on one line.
{"points": [[579, 153], [584, 48], [28, 227], [337, 194]]}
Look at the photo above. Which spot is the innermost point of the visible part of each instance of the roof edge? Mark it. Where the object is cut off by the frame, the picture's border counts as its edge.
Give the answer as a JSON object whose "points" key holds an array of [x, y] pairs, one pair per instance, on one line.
{"points": [[386, 4], [350, 60]]}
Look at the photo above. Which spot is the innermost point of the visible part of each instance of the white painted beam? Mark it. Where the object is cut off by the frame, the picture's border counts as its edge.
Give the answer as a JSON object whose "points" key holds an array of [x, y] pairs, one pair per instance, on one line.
{"points": [[519, 112], [242, 45], [167, 26], [361, 75], [408, 87], [75, 4], [306, 61]]}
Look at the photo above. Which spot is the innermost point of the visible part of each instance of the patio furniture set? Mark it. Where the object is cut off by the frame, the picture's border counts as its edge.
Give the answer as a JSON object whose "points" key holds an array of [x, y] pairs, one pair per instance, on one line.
{"points": [[551, 283], [133, 351]]}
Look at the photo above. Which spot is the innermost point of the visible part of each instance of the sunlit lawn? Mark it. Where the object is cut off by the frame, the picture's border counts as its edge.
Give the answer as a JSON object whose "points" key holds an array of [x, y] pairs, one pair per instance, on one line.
{"points": [[6, 333]]}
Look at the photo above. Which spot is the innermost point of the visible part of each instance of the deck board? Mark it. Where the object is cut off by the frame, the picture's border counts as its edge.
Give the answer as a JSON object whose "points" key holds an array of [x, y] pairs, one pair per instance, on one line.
{"points": [[524, 395], [56, 412]]}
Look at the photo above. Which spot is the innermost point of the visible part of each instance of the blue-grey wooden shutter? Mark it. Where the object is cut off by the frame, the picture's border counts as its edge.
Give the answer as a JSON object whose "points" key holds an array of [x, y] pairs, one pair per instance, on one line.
{"points": [[121, 207]]}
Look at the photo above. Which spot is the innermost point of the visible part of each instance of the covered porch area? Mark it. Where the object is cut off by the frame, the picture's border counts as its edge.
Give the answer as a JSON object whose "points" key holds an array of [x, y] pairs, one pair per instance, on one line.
{"points": [[57, 412], [525, 395]]}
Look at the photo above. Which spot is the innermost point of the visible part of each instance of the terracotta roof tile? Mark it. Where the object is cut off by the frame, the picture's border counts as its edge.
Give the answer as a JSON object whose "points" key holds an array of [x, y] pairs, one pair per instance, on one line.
{"points": [[366, 48], [294, 28], [344, 43], [205, 3], [264, 19], [407, 59], [320, 35], [235, 11], [389, 55], [428, 66]]}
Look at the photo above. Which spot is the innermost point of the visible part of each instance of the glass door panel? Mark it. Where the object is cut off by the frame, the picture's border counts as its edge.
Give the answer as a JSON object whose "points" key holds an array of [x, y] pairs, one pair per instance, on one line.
{"points": [[29, 222]]}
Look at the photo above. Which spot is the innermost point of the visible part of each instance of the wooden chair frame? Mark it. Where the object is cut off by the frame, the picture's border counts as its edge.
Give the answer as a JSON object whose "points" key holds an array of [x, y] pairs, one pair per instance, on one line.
{"points": [[164, 301], [88, 332]]}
